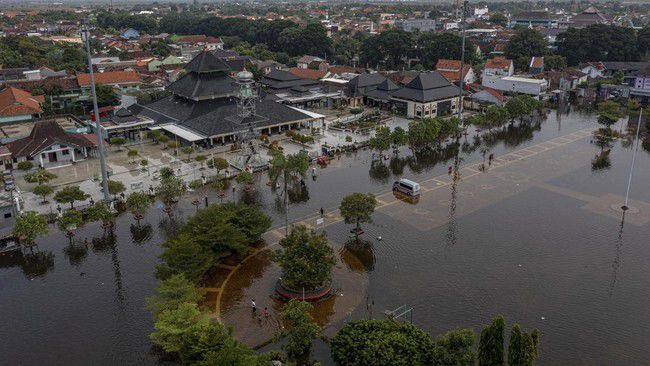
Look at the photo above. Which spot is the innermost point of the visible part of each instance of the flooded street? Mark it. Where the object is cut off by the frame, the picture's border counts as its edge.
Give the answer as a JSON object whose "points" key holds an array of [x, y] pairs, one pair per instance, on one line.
{"points": [[534, 238]]}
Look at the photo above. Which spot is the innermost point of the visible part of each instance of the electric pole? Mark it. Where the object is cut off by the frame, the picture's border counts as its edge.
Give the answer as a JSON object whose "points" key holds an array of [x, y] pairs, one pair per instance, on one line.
{"points": [[100, 141]]}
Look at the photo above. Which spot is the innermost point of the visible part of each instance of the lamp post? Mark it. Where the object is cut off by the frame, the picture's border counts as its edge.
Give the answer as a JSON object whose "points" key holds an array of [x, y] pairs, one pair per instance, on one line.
{"points": [[462, 66], [100, 143]]}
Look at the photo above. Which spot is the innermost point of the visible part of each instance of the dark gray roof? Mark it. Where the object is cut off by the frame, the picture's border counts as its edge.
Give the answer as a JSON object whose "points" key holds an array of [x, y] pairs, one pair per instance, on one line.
{"points": [[365, 80], [205, 61], [124, 115], [215, 116], [199, 86], [427, 87], [224, 53], [383, 91], [281, 80]]}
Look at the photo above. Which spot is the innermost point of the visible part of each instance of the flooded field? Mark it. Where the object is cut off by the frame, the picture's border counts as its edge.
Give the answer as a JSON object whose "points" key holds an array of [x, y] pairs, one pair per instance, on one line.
{"points": [[534, 238]]}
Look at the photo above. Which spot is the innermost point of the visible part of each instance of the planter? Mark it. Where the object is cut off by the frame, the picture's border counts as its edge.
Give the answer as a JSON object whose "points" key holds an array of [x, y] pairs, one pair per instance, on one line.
{"points": [[314, 295]]}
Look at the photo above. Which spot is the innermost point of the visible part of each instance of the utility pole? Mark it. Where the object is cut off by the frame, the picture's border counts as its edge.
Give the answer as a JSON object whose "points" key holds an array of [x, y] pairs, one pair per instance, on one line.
{"points": [[636, 148], [461, 83], [100, 141]]}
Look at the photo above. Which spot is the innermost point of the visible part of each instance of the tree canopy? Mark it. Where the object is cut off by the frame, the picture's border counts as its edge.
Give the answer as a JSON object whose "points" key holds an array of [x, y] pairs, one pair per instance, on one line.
{"points": [[358, 208], [381, 343], [302, 330], [525, 44], [306, 259], [598, 42], [70, 194], [29, 226]]}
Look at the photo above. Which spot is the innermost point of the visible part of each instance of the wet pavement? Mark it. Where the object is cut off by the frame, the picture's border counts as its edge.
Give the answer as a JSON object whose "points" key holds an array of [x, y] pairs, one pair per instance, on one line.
{"points": [[531, 238]]}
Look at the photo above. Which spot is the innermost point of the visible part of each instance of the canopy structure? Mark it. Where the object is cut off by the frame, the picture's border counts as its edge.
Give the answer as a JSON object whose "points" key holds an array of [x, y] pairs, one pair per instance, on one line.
{"points": [[183, 133]]}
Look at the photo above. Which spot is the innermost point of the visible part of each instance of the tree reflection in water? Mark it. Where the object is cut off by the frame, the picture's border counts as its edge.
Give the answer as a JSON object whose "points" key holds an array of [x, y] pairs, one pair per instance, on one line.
{"points": [[76, 253], [140, 233], [37, 264], [108, 243], [379, 172], [298, 194], [358, 255]]}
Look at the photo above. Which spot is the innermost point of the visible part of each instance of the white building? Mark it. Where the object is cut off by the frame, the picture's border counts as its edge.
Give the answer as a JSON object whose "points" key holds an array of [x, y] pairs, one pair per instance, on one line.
{"points": [[516, 84]]}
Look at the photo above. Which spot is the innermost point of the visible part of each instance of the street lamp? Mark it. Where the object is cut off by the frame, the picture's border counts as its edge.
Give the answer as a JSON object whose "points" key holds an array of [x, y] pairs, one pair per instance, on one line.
{"points": [[100, 143], [459, 107]]}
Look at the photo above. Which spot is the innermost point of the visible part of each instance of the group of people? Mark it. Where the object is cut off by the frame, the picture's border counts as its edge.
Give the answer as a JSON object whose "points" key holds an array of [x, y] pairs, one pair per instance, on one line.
{"points": [[263, 314]]}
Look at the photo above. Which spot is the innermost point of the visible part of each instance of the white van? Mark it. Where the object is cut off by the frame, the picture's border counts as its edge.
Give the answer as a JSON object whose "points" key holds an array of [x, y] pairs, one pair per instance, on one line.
{"points": [[406, 186]]}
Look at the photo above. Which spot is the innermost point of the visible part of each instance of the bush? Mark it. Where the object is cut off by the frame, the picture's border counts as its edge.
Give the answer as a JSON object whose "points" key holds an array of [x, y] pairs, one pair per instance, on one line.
{"points": [[25, 165], [303, 139]]}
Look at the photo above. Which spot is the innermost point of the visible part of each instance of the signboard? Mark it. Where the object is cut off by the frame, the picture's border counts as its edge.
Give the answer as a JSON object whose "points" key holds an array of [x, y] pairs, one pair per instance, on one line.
{"points": [[137, 185]]}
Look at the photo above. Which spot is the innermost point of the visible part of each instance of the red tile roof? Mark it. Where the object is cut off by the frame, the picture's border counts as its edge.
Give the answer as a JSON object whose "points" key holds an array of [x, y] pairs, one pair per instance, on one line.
{"points": [[453, 75], [498, 63], [537, 62], [16, 102], [45, 134], [111, 77], [497, 94], [308, 73], [444, 64]]}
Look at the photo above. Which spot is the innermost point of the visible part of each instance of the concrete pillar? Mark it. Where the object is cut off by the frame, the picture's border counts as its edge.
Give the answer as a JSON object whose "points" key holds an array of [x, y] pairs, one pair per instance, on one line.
{"points": [[40, 157], [72, 152]]}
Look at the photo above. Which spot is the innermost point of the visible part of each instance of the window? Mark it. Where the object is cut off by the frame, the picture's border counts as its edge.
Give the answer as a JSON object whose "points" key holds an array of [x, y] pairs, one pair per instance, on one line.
{"points": [[7, 215], [65, 152]]}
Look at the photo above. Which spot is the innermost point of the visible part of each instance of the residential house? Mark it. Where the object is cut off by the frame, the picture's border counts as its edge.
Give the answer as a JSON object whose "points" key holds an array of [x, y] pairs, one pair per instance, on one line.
{"points": [[19, 105], [516, 84], [125, 81], [169, 60], [639, 82], [50, 145], [268, 66], [64, 92], [410, 25], [305, 62], [312, 74], [450, 69], [498, 66], [485, 98]]}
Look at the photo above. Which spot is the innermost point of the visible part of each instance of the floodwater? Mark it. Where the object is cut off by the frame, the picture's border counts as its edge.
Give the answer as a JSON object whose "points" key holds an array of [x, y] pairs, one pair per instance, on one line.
{"points": [[533, 239]]}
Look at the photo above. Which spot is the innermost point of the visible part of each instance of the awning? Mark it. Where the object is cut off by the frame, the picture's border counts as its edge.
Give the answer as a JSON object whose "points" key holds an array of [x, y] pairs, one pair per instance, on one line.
{"points": [[310, 114], [183, 133]]}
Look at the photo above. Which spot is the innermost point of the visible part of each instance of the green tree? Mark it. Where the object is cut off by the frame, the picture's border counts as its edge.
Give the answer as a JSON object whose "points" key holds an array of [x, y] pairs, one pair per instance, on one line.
{"points": [[227, 228], [398, 137], [137, 202], [40, 176], [490, 348], [433, 46], [288, 169], [99, 211], [70, 220], [381, 343], [388, 46], [43, 190], [499, 19], [618, 77], [358, 208], [184, 255], [29, 226], [70, 194], [25, 165], [170, 189], [306, 259], [555, 62], [188, 150], [609, 112], [177, 329], [115, 187], [106, 95], [200, 159], [218, 163], [455, 348], [171, 292], [382, 140], [598, 42], [301, 330], [132, 154], [522, 349], [525, 44], [118, 141], [424, 133]]}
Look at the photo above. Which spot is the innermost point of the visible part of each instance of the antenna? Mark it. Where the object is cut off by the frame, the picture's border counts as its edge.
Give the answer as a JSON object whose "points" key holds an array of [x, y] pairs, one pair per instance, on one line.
{"points": [[245, 122]]}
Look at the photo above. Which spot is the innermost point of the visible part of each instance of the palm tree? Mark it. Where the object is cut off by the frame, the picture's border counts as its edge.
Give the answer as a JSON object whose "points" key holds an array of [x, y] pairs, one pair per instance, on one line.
{"points": [[288, 168]]}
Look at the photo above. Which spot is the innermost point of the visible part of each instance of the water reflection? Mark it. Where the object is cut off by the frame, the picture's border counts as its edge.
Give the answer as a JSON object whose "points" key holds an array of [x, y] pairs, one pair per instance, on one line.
{"points": [[617, 258], [298, 194], [140, 233], [358, 255], [37, 264], [601, 160], [76, 253], [108, 243], [379, 172]]}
